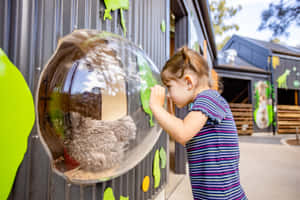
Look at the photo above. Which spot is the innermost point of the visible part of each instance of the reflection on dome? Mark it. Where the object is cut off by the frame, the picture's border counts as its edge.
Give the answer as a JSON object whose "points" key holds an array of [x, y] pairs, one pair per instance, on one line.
{"points": [[93, 106]]}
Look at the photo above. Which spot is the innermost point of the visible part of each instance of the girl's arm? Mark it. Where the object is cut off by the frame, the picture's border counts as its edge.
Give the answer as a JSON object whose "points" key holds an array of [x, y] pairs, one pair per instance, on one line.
{"points": [[180, 130]]}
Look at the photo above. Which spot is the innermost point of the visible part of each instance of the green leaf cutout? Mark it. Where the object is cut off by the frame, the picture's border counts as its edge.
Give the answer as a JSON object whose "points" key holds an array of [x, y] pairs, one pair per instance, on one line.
{"points": [[123, 23], [147, 81], [112, 5], [163, 157], [270, 114], [124, 198], [156, 169], [16, 121], [56, 115], [163, 26], [108, 194]]}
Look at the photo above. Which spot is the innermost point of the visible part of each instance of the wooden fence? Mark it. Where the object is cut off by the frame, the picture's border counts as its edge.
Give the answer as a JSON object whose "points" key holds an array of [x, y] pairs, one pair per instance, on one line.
{"points": [[288, 119], [243, 116]]}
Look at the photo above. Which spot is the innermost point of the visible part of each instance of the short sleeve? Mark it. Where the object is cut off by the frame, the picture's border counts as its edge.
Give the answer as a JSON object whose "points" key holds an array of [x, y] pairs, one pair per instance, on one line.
{"points": [[210, 105]]}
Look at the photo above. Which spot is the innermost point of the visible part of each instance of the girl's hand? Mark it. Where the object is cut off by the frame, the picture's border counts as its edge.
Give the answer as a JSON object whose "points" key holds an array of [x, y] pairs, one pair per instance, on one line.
{"points": [[157, 97]]}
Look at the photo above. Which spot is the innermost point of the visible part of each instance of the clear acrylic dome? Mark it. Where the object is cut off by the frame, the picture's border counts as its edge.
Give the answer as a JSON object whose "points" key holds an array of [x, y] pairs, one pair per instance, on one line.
{"points": [[93, 106]]}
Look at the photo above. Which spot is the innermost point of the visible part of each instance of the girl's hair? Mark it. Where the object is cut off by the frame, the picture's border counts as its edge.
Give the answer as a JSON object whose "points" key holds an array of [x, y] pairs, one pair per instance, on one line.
{"points": [[183, 60]]}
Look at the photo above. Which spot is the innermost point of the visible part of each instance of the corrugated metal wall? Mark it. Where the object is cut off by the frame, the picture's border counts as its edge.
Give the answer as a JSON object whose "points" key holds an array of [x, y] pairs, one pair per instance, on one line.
{"points": [[29, 32]]}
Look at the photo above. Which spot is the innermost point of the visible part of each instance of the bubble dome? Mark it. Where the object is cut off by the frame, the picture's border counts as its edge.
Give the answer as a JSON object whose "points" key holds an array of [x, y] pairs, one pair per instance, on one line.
{"points": [[92, 106]]}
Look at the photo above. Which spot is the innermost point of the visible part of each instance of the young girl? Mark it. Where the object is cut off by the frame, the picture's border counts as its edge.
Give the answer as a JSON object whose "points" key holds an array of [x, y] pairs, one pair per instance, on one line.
{"points": [[208, 131]]}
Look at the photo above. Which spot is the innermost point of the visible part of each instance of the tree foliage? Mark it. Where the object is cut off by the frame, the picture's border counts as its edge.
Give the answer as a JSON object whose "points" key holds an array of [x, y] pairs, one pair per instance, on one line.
{"points": [[221, 12], [222, 44], [279, 17]]}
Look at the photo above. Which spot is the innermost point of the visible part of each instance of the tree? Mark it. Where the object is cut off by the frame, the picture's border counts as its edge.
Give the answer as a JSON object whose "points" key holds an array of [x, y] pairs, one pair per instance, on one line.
{"points": [[224, 41], [220, 13], [279, 17]]}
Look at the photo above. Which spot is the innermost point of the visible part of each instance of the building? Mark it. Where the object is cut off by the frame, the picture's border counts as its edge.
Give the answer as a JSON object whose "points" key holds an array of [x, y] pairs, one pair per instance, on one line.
{"points": [[270, 72], [29, 33]]}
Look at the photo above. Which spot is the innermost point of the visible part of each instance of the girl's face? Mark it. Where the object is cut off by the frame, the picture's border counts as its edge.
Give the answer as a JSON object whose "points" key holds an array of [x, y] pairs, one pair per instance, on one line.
{"points": [[179, 92]]}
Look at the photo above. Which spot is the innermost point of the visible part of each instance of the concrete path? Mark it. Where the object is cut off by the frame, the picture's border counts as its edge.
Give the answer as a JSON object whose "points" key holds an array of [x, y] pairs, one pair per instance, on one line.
{"points": [[268, 170]]}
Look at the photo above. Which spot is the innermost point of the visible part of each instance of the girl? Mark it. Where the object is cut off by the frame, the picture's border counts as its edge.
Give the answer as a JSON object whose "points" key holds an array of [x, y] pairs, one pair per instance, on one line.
{"points": [[208, 131]]}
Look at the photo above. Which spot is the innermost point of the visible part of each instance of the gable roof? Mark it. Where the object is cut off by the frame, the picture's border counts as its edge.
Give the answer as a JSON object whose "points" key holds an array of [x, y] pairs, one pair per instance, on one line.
{"points": [[238, 65], [268, 46], [277, 48]]}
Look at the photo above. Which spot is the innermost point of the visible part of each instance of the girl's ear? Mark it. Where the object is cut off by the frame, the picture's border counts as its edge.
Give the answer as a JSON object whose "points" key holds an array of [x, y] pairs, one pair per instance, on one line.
{"points": [[188, 79]]}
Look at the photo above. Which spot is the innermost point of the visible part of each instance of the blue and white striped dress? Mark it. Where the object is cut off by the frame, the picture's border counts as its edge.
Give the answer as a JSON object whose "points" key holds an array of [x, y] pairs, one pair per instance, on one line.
{"points": [[213, 154]]}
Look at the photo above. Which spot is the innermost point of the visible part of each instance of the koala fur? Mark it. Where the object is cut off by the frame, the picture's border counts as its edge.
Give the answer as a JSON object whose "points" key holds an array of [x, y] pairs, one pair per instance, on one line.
{"points": [[98, 144]]}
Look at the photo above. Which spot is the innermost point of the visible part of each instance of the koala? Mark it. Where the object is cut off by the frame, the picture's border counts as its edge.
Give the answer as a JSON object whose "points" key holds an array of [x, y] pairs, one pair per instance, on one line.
{"points": [[262, 118], [97, 144]]}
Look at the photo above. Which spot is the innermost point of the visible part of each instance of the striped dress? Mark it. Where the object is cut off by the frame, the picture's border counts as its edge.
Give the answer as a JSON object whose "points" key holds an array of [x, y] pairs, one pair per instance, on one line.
{"points": [[213, 154]]}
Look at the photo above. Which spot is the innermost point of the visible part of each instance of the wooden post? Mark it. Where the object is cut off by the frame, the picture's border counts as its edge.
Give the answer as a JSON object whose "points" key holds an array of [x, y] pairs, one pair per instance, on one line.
{"points": [[205, 49], [296, 97], [297, 136]]}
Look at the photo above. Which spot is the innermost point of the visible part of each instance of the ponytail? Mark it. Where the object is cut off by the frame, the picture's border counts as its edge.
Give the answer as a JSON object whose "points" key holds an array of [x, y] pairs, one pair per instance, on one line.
{"points": [[185, 59]]}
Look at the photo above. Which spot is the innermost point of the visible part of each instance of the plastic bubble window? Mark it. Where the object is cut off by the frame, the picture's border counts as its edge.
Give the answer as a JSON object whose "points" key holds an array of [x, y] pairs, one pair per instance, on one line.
{"points": [[93, 106]]}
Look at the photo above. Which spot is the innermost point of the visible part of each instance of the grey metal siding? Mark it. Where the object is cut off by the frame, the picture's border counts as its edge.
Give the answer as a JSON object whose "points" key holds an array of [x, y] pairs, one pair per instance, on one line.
{"points": [[287, 63], [4, 24], [29, 32]]}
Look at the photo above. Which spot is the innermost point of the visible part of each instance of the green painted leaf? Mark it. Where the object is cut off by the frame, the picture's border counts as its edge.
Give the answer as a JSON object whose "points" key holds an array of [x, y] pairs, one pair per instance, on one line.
{"points": [[112, 5], [156, 169], [16, 121], [108, 194], [270, 114], [163, 157], [163, 26], [124, 198], [123, 23], [56, 115], [268, 89], [147, 81]]}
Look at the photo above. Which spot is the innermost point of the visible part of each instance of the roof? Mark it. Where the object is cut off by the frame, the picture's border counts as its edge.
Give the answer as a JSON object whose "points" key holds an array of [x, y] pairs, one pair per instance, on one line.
{"points": [[238, 65], [275, 48]]}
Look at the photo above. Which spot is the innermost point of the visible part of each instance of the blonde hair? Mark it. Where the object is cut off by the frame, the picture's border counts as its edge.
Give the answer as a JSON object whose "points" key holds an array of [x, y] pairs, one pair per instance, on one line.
{"points": [[183, 60]]}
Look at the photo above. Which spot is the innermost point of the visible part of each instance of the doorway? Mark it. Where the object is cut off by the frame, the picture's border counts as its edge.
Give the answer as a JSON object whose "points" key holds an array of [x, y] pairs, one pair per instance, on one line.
{"points": [[236, 90], [237, 93], [288, 111], [287, 97]]}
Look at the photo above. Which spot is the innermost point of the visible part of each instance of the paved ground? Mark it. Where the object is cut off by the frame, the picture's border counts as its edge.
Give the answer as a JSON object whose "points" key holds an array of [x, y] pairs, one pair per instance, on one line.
{"points": [[269, 169]]}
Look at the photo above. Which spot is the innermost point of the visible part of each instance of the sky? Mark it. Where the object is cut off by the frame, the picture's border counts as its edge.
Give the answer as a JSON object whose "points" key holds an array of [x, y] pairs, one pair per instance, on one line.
{"points": [[249, 18]]}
